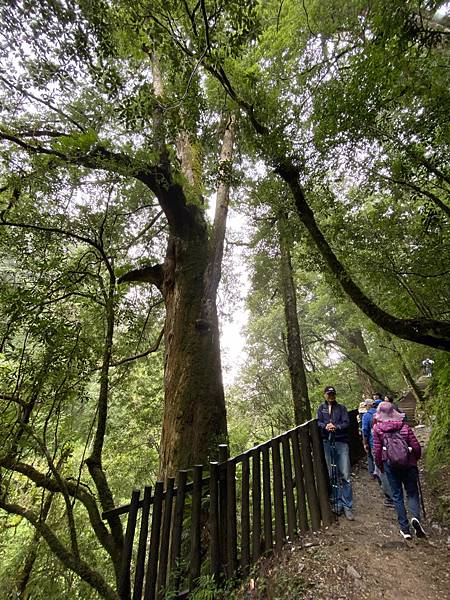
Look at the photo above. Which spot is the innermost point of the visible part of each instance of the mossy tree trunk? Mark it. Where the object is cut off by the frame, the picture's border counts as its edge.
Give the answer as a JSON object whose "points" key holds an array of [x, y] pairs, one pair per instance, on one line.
{"points": [[296, 365]]}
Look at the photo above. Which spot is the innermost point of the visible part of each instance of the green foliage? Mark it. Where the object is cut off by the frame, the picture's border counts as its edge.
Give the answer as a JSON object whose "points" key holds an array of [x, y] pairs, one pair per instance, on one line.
{"points": [[438, 450], [208, 589]]}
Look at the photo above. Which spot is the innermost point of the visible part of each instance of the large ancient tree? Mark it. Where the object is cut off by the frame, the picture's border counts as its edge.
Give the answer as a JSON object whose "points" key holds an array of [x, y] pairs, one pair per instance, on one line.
{"points": [[106, 144], [75, 108]]}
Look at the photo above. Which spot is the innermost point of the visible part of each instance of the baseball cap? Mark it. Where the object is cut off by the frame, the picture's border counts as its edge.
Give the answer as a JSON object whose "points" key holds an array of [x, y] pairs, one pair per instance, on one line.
{"points": [[329, 390]]}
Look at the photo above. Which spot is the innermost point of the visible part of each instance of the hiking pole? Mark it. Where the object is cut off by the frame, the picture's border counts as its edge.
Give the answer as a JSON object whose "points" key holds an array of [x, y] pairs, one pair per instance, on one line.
{"points": [[334, 481], [419, 485]]}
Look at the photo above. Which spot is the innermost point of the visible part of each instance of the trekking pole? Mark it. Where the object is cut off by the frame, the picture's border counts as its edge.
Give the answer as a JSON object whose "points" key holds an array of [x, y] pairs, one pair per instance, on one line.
{"points": [[419, 485], [334, 481]]}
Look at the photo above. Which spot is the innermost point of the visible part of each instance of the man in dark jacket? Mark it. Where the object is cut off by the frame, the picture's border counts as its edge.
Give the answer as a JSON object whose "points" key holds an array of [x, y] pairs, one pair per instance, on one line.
{"points": [[333, 423]]}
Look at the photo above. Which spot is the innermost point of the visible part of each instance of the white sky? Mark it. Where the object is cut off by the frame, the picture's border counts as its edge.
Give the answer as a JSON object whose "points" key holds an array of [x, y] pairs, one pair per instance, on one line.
{"points": [[232, 340]]}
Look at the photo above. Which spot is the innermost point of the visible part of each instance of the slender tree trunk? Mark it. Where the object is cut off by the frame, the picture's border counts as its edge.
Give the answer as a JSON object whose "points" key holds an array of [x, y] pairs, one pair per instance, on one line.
{"points": [[297, 372], [406, 373], [355, 339]]}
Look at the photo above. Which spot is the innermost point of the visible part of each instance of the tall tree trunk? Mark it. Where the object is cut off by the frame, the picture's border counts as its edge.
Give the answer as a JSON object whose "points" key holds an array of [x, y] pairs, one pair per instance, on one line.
{"points": [[194, 411], [194, 414], [299, 385], [406, 373], [355, 340]]}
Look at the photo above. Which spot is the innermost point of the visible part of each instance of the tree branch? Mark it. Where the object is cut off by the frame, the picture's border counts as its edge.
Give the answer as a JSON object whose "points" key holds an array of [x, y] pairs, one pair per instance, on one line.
{"points": [[151, 274], [88, 501], [153, 348], [420, 330], [80, 567]]}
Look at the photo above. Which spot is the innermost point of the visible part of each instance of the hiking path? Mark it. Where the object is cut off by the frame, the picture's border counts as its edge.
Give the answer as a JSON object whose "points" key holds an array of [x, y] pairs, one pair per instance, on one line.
{"points": [[362, 559]]}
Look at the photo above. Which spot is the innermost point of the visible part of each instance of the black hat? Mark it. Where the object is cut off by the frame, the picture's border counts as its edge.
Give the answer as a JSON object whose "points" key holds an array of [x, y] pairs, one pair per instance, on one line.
{"points": [[329, 390]]}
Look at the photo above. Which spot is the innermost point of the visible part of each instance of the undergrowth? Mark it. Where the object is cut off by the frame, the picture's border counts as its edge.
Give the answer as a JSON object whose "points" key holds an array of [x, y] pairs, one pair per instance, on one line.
{"points": [[438, 451]]}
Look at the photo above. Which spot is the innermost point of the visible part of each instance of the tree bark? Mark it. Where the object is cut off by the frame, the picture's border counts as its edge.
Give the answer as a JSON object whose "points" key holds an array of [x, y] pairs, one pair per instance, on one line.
{"points": [[194, 410], [296, 365], [355, 339], [406, 373]]}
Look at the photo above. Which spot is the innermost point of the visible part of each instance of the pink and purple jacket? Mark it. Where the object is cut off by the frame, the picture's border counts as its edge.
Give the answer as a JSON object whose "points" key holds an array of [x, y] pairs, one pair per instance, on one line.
{"points": [[405, 431]]}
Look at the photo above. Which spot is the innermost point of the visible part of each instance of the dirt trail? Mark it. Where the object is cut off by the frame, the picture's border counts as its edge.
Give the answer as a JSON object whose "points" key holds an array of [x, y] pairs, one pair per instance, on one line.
{"points": [[364, 559]]}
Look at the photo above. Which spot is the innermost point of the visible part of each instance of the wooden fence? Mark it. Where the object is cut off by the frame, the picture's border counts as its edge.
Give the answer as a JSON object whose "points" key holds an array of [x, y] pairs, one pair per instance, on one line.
{"points": [[209, 524]]}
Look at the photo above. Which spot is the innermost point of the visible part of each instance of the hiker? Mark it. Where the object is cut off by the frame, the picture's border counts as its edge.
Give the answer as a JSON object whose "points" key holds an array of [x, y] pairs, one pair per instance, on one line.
{"points": [[391, 400], [367, 430], [427, 366], [362, 409], [333, 422], [396, 452]]}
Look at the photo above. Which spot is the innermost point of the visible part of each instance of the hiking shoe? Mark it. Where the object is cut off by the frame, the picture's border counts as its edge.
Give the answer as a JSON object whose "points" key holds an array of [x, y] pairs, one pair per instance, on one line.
{"points": [[406, 535], [348, 514], [420, 533]]}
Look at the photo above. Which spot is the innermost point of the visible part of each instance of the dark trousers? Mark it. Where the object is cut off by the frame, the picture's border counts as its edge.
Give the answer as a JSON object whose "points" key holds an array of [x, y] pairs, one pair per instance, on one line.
{"points": [[407, 478]]}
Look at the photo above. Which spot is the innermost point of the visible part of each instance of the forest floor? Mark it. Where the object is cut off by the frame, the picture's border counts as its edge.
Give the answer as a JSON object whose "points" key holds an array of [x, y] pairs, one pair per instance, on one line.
{"points": [[364, 559]]}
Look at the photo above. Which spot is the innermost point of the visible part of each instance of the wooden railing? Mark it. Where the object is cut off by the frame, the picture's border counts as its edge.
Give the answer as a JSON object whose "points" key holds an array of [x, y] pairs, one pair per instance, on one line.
{"points": [[207, 524]]}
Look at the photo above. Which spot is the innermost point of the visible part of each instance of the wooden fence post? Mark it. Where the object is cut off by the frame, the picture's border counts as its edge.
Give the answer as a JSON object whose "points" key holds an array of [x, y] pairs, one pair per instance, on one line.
{"points": [[142, 546], [299, 483], [280, 531], [289, 487], [321, 476], [152, 565], [165, 538], [311, 493], [214, 542], [268, 538], [195, 557], [231, 519], [256, 505], [223, 456], [177, 528], [124, 591], [245, 515]]}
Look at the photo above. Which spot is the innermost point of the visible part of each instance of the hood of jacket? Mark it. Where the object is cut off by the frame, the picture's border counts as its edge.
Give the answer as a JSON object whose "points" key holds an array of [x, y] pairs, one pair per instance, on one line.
{"points": [[387, 426]]}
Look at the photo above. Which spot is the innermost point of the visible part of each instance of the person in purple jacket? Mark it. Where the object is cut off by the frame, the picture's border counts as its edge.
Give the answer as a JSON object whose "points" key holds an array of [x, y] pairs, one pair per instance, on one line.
{"points": [[333, 422], [389, 421]]}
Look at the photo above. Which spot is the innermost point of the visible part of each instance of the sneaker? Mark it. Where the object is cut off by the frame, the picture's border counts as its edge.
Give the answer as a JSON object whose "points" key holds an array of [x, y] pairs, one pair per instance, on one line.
{"points": [[406, 535], [348, 514], [420, 533]]}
